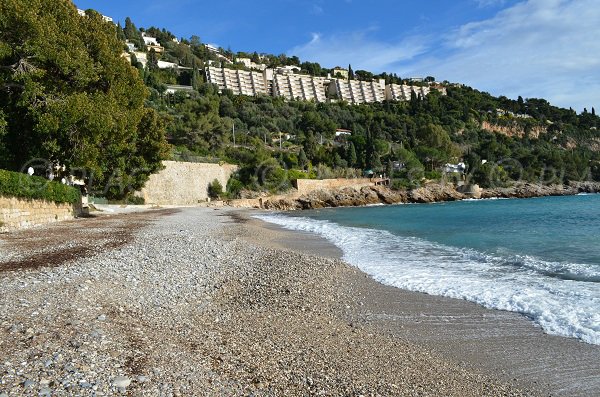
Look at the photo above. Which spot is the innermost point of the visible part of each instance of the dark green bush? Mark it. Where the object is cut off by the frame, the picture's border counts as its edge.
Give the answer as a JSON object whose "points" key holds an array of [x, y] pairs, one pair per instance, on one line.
{"points": [[215, 189], [15, 184]]}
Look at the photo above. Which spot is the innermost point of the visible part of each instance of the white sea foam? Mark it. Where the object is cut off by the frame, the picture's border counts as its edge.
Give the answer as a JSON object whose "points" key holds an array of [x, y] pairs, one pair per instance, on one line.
{"points": [[561, 298]]}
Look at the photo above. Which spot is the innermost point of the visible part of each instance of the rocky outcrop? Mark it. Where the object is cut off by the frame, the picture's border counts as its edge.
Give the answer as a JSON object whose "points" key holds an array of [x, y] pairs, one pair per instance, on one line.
{"points": [[431, 193], [346, 197], [528, 190]]}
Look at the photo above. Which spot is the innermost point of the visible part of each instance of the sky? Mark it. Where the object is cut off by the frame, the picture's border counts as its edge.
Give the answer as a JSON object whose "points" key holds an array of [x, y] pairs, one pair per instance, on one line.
{"points": [[531, 48]]}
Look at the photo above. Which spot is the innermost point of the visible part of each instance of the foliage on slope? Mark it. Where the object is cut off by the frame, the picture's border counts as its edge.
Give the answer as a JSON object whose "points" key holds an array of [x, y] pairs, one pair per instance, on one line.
{"points": [[67, 96]]}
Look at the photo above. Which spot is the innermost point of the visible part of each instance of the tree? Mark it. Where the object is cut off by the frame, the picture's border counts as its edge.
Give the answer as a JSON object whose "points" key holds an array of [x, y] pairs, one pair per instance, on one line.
{"points": [[350, 72], [134, 35], [69, 97], [152, 63], [302, 159], [351, 157]]}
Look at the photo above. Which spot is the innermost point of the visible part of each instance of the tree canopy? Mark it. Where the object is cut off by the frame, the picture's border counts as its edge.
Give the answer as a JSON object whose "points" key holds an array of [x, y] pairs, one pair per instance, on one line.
{"points": [[67, 95]]}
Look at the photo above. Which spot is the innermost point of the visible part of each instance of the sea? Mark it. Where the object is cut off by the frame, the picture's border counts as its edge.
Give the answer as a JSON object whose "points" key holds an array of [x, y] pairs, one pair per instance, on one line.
{"points": [[539, 257]]}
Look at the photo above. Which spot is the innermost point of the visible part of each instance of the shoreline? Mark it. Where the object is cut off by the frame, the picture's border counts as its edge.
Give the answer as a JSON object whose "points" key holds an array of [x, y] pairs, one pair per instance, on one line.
{"points": [[382, 195], [506, 345], [197, 301]]}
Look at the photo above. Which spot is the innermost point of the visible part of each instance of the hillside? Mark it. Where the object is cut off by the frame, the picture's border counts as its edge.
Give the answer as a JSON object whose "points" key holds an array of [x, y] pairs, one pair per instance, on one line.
{"points": [[276, 139], [500, 140]]}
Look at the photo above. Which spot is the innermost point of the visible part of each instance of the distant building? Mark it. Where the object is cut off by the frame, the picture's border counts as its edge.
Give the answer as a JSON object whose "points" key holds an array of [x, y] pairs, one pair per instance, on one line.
{"points": [[247, 62], [130, 46], [167, 65], [340, 71], [289, 69], [452, 168], [141, 57], [397, 92], [357, 92], [341, 136], [297, 86], [241, 82], [148, 40], [171, 89], [82, 13], [211, 48], [152, 44]]}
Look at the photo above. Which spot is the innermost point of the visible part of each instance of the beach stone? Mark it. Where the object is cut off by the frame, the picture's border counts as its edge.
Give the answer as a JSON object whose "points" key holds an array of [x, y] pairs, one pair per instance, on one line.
{"points": [[121, 381], [28, 383]]}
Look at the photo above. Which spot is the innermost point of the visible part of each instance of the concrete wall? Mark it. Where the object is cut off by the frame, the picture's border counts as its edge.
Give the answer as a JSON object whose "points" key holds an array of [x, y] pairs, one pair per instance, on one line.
{"points": [[308, 185], [184, 183], [16, 213]]}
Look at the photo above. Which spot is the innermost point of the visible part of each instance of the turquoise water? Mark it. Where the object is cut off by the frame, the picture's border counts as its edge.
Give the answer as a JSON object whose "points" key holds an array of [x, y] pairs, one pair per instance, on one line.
{"points": [[539, 257]]}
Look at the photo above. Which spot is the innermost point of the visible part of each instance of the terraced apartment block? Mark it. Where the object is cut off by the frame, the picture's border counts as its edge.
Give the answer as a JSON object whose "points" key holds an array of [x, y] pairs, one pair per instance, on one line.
{"points": [[293, 86], [357, 92], [241, 82], [296, 86]]}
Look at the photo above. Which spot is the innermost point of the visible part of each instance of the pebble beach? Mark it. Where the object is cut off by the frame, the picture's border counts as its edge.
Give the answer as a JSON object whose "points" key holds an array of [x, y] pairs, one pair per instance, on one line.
{"points": [[199, 302]]}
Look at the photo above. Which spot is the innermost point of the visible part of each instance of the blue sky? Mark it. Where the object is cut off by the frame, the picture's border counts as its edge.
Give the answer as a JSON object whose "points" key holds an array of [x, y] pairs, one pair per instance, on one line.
{"points": [[533, 48]]}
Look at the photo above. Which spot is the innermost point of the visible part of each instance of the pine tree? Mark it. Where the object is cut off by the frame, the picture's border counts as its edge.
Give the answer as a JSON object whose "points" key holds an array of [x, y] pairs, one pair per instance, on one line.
{"points": [[351, 156], [302, 159], [75, 101]]}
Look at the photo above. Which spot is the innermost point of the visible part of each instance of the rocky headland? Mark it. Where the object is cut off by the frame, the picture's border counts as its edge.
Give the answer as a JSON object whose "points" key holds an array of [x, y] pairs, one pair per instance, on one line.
{"points": [[430, 193]]}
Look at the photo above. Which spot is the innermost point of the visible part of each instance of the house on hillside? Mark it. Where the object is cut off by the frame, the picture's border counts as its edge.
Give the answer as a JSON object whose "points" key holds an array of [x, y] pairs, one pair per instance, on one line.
{"points": [[341, 136], [152, 43], [338, 71]]}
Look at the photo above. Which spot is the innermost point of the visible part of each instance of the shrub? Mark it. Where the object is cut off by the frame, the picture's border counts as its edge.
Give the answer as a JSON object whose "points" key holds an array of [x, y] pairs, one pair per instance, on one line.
{"points": [[215, 189], [234, 187], [15, 184]]}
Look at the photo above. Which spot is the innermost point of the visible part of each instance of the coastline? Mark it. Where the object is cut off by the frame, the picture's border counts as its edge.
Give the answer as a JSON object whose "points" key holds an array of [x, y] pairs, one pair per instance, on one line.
{"points": [[505, 345], [205, 301], [430, 193], [189, 305]]}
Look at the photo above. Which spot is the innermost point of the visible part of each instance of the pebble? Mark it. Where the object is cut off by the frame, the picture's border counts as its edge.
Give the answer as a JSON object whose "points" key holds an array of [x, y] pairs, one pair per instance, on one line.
{"points": [[121, 381], [200, 313]]}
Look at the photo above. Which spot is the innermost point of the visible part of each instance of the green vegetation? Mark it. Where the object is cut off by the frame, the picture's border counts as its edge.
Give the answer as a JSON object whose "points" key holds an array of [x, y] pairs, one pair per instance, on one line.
{"points": [[215, 189], [15, 184], [67, 96], [276, 141]]}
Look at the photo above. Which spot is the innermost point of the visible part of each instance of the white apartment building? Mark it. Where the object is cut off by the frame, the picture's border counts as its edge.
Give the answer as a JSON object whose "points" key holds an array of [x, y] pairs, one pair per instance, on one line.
{"points": [[357, 92], [247, 62], [82, 13], [297, 86], [292, 86], [241, 82], [397, 92]]}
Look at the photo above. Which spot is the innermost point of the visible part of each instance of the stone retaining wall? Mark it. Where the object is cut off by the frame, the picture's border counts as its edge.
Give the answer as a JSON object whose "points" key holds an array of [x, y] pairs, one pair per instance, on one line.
{"points": [[305, 186], [16, 213], [182, 183]]}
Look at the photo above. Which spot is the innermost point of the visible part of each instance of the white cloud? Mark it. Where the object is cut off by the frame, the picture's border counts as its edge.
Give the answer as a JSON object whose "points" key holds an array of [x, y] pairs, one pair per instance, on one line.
{"points": [[358, 49], [537, 48]]}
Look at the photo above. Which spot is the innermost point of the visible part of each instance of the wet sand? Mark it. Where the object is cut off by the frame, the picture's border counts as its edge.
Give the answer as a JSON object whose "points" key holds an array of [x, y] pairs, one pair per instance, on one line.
{"points": [[504, 345]]}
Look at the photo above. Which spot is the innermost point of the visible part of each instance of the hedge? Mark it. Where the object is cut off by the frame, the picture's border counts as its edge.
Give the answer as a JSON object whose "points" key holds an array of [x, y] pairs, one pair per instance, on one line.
{"points": [[15, 184]]}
